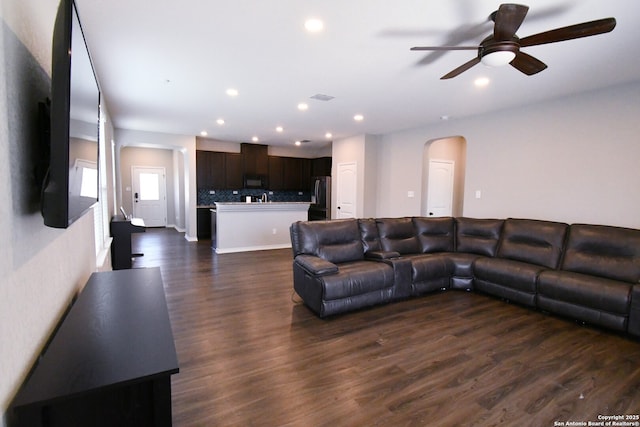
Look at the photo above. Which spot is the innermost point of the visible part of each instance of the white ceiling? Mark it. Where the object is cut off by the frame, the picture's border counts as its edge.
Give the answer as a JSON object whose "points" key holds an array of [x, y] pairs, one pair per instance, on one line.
{"points": [[164, 65]]}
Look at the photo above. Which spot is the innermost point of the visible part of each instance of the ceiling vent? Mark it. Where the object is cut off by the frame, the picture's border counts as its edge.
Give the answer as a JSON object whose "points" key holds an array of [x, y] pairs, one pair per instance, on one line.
{"points": [[321, 97]]}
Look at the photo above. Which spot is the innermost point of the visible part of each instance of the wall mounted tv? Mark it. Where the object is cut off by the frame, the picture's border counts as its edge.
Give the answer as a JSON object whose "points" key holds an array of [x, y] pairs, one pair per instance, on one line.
{"points": [[72, 181]]}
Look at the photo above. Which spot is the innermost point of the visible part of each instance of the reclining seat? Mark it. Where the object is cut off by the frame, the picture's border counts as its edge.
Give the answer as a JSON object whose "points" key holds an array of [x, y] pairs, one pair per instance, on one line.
{"points": [[599, 278], [427, 243], [475, 238], [330, 272], [527, 247]]}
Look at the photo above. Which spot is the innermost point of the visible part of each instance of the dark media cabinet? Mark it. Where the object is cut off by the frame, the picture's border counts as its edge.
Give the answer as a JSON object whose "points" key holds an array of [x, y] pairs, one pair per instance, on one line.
{"points": [[110, 361]]}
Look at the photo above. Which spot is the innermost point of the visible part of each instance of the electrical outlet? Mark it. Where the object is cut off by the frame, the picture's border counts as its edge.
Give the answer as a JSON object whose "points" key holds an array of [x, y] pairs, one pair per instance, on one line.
{"points": [[235, 191], [212, 192], [411, 194], [478, 194], [274, 231]]}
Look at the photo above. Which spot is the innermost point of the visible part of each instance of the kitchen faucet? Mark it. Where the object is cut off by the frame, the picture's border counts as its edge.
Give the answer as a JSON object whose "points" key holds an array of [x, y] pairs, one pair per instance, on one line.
{"points": [[263, 199]]}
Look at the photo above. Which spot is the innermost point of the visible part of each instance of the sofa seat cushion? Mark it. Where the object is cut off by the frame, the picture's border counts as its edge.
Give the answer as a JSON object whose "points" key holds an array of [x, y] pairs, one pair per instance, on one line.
{"points": [[429, 272], [462, 270], [429, 266], [356, 278], [508, 273], [588, 291]]}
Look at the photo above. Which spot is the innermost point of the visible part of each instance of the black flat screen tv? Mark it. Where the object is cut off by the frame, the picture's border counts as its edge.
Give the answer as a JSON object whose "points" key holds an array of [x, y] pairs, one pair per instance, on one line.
{"points": [[71, 184]]}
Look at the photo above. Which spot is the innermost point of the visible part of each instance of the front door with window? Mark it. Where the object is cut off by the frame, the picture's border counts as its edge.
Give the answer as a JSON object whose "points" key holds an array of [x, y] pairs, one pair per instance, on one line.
{"points": [[149, 195]]}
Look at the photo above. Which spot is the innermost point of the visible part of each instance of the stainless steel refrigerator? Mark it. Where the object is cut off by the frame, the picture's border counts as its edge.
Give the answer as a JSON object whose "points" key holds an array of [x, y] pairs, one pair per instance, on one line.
{"points": [[320, 208]]}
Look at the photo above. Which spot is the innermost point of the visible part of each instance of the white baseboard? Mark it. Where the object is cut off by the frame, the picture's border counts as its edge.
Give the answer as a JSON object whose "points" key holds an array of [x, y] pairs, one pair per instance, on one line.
{"points": [[252, 248]]}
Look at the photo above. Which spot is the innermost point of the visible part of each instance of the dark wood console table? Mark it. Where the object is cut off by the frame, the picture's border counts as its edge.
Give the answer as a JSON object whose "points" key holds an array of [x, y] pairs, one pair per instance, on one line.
{"points": [[110, 361]]}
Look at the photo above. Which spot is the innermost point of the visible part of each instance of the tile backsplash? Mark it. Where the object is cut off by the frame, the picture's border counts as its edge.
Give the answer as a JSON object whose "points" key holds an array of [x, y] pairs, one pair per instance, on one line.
{"points": [[205, 198]]}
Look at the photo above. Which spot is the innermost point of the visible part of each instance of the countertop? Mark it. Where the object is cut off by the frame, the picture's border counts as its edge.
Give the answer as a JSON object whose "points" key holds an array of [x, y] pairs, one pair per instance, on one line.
{"points": [[261, 207], [250, 204]]}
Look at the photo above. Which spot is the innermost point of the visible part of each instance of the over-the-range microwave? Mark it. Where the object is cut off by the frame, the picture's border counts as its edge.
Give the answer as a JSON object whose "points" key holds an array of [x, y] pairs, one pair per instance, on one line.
{"points": [[255, 181]]}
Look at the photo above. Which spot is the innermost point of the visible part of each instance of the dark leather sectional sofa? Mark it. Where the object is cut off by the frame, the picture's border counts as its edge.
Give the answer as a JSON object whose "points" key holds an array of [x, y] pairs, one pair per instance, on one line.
{"points": [[590, 273]]}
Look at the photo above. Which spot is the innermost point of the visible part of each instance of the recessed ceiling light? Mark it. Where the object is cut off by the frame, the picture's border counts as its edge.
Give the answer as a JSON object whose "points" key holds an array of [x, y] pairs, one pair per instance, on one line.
{"points": [[314, 25], [358, 117], [232, 92], [279, 129], [220, 122], [303, 107], [328, 135], [254, 139], [298, 143], [204, 133], [481, 82]]}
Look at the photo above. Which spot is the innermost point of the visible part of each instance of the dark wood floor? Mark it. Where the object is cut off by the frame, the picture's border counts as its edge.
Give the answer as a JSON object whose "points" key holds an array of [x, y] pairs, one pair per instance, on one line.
{"points": [[251, 355]]}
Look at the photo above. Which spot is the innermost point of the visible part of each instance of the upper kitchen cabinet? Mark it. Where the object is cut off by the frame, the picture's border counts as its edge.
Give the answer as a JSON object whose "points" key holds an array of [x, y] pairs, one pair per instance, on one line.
{"points": [[210, 169], [218, 171], [276, 173], [296, 173], [233, 171], [321, 166], [255, 158]]}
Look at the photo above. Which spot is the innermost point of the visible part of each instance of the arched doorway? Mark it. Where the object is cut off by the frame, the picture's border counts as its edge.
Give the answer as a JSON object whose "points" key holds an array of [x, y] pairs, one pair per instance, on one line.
{"points": [[448, 152]]}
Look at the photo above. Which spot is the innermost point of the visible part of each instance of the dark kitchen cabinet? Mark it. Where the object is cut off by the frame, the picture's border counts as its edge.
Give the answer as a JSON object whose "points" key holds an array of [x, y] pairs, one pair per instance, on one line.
{"points": [[321, 166], [305, 178], [255, 158], [203, 170], [226, 171], [218, 171], [276, 173], [203, 223], [210, 170], [292, 173], [233, 171]]}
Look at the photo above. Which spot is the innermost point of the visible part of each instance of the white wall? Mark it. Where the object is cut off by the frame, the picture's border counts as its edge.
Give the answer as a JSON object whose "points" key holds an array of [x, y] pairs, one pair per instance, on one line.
{"points": [[41, 268], [571, 160], [309, 151]]}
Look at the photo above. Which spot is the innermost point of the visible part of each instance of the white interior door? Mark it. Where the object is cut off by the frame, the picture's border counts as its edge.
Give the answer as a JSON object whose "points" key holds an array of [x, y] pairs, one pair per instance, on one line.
{"points": [[149, 195], [346, 190], [440, 188]]}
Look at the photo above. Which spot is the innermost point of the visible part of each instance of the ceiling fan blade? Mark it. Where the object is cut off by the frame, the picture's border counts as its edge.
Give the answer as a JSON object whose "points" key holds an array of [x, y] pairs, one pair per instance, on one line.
{"points": [[508, 19], [461, 69], [527, 64], [571, 32], [445, 48]]}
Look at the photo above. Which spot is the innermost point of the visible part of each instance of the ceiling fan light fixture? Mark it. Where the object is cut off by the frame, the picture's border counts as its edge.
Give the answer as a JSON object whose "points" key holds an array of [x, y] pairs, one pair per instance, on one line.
{"points": [[498, 58]]}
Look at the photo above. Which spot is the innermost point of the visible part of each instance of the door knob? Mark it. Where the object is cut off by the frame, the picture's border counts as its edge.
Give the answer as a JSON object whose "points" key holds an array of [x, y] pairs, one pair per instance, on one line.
{"points": [[338, 207]]}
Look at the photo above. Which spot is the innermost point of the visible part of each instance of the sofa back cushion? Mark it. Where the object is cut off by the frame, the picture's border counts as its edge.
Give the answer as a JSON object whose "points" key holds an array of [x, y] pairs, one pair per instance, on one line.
{"points": [[532, 241], [369, 235], [398, 235], [336, 241], [478, 236], [598, 250], [434, 234]]}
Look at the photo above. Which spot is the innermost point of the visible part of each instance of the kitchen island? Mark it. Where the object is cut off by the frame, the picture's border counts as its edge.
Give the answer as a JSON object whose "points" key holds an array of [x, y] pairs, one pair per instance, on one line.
{"points": [[244, 227]]}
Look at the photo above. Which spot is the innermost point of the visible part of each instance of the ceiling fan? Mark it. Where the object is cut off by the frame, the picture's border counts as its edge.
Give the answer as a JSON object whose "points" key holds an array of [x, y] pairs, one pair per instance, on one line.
{"points": [[503, 46]]}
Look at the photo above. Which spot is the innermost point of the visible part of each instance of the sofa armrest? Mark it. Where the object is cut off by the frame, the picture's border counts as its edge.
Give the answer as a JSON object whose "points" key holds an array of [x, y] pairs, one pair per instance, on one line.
{"points": [[316, 265], [381, 255], [634, 312]]}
